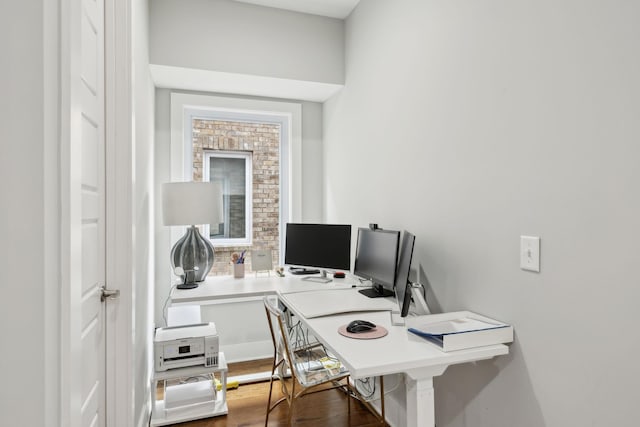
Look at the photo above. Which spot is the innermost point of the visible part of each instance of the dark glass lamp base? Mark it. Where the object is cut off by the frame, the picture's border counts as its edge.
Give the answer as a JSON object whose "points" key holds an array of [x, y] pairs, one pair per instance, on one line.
{"points": [[187, 286]]}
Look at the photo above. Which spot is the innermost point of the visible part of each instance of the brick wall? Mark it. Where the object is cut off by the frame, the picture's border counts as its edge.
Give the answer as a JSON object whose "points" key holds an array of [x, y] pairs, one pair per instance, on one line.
{"points": [[262, 140]]}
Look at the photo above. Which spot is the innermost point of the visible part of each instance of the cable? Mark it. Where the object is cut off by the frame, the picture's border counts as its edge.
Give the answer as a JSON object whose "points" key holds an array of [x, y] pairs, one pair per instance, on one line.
{"points": [[424, 291], [164, 306], [400, 381], [369, 385], [196, 378]]}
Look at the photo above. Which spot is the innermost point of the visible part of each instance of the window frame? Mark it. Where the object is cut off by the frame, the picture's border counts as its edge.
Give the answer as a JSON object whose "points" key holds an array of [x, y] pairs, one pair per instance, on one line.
{"points": [[289, 114], [248, 201]]}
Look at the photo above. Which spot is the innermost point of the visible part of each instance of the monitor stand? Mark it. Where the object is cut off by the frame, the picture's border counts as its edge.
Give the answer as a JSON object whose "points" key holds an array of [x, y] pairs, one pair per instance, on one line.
{"points": [[377, 291], [301, 270], [396, 318], [323, 278], [419, 305]]}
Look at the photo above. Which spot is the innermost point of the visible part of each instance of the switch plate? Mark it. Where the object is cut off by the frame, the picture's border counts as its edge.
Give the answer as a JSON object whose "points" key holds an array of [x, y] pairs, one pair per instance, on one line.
{"points": [[530, 253]]}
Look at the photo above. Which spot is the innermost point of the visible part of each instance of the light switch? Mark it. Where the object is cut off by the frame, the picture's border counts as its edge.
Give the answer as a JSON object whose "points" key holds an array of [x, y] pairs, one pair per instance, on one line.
{"points": [[530, 253]]}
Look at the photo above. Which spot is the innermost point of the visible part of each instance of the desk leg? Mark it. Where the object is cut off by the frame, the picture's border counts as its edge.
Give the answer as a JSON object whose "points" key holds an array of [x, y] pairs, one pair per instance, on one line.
{"points": [[420, 403]]}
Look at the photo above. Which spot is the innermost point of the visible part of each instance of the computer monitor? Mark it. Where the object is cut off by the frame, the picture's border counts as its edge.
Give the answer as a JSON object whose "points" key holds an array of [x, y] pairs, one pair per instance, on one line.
{"points": [[324, 246], [377, 259], [403, 286]]}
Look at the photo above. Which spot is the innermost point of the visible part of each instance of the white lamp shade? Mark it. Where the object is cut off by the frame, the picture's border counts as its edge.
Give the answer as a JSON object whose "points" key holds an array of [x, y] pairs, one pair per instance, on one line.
{"points": [[191, 203]]}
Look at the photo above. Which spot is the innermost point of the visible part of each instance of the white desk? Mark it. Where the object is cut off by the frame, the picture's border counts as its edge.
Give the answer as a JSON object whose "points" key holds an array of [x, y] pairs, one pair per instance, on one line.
{"points": [[398, 352]]}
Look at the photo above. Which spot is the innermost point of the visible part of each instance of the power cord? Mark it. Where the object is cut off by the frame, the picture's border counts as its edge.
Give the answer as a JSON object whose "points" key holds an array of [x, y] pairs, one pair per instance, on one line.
{"points": [[164, 306], [368, 387]]}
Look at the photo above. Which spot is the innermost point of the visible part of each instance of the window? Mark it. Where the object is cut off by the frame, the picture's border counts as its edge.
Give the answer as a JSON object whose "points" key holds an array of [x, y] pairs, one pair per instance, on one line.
{"points": [[243, 155], [261, 137], [233, 171]]}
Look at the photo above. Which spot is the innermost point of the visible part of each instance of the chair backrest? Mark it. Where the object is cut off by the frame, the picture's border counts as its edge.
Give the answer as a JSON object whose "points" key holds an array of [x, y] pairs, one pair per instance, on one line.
{"points": [[277, 327]]}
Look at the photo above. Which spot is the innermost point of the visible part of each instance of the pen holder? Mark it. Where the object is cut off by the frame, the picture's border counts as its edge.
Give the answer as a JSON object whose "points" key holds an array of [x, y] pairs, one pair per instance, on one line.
{"points": [[238, 271]]}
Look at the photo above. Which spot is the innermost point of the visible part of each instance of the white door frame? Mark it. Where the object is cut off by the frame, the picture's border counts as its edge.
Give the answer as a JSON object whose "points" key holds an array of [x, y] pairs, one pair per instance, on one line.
{"points": [[70, 208], [119, 182]]}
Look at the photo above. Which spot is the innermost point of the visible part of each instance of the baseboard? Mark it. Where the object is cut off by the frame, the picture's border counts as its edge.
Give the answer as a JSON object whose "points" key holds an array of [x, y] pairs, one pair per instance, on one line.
{"points": [[145, 414], [247, 351]]}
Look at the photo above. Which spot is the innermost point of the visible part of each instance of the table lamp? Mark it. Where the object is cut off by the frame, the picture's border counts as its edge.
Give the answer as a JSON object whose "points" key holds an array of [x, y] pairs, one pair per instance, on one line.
{"points": [[192, 203]]}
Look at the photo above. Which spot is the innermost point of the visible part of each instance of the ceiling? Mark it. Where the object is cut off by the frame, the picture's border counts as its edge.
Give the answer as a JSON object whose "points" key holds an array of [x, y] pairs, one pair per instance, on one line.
{"points": [[332, 8]]}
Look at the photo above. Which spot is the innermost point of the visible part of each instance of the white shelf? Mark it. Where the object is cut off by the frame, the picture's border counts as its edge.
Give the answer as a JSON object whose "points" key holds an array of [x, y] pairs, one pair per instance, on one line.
{"points": [[187, 413], [214, 407]]}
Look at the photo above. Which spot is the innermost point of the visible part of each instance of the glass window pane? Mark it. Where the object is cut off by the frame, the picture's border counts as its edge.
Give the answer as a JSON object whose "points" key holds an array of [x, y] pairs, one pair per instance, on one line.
{"points": [[231, 173]]}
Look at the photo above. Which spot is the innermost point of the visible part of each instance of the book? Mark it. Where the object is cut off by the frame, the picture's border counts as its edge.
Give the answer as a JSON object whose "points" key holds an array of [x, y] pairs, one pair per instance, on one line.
{"points": [[462, 330]]}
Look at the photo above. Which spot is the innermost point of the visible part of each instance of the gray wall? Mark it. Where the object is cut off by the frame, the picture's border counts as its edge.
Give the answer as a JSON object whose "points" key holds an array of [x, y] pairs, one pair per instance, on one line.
{"points": [[25, 241], [233, 37], [143, 205], [312, 168], [472, 123], [162, 173]]}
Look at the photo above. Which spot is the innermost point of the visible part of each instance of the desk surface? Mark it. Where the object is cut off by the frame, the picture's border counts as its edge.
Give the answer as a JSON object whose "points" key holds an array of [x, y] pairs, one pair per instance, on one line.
{"points": [[363, 357], [226, 287], [399, 351]]}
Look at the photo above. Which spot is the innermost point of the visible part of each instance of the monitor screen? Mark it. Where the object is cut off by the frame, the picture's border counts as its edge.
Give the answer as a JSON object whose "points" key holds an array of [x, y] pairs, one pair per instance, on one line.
{"points": [[318, 245], [377, 259], [403, 286]]}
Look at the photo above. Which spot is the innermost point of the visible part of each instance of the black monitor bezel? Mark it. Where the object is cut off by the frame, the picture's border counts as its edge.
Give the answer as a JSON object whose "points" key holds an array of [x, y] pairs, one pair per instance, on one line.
{"points": [[403, 284], [345, 265], [376, 281]]}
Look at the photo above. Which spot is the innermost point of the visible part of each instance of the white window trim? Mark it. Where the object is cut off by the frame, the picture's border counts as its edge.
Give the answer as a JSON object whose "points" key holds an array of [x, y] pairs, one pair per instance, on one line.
{"points": [[291, 156], [248, 224]]}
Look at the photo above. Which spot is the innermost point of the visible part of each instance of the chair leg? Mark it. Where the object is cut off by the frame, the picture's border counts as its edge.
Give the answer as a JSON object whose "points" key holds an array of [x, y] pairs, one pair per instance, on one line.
{"points": [[292, 402], [384, 419], [348, 401], [266, 419]]}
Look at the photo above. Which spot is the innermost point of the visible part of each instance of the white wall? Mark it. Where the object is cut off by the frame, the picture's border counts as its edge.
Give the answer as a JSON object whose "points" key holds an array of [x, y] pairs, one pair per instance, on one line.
{"points": [[143, 205], [26, 127], [472, 123], [234, 37]]}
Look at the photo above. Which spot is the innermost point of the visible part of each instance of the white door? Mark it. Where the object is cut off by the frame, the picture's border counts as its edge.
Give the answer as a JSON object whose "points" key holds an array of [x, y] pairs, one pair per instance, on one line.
{"points": [[92, 334], [83, 212]]}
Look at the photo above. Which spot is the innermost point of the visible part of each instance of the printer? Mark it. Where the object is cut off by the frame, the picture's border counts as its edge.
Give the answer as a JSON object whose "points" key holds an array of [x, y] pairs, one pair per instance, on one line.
{"points": [[186, 345]]}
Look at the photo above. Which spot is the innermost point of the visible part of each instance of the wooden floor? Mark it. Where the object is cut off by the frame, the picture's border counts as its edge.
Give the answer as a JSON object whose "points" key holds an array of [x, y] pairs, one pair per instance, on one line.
{"points": [[248, 403]]}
